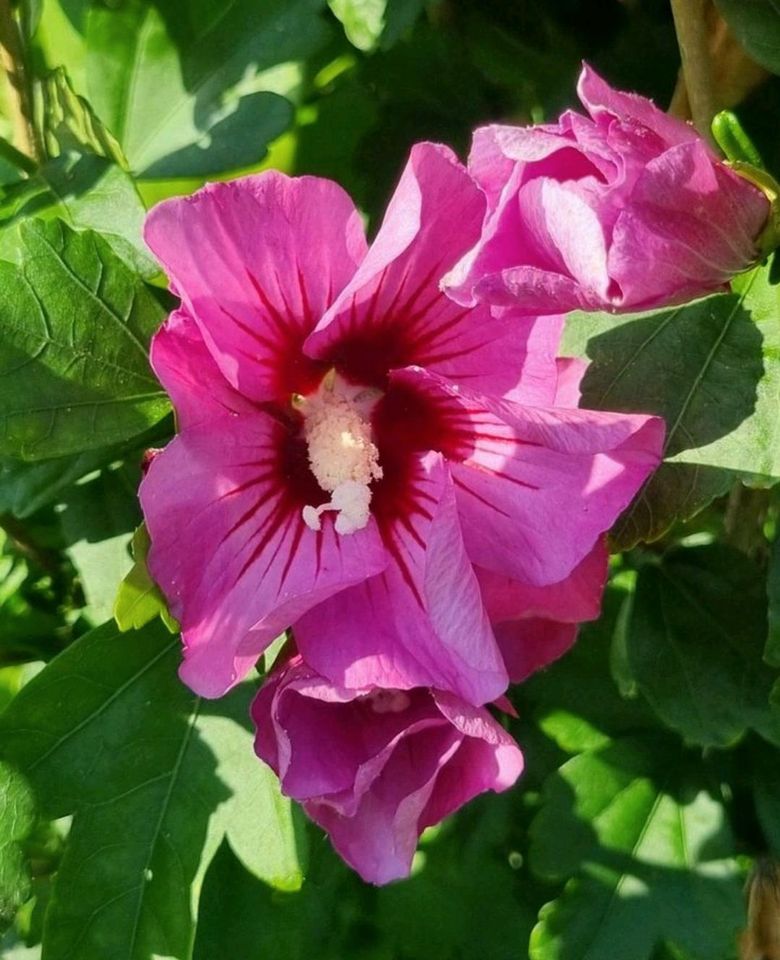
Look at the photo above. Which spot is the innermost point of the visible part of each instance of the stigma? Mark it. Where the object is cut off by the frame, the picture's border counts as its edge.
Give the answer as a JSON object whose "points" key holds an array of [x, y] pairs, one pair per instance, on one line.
{"points": [[342, 455]]}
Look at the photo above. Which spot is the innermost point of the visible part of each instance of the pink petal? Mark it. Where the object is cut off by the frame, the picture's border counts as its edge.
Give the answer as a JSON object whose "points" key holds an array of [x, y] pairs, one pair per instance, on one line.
{"points": [[487, 759], [190, 375], [257, 261], [565, 222], [694, 220], [530, 645], [572, 600], [229, 547], [379, 841], [536, 487], [571, 370], [393, 314], [602, 101], [421, 622]]}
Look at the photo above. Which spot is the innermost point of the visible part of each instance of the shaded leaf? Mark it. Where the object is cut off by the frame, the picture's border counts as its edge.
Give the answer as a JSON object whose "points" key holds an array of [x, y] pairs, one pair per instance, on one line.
{"points": [[756, 24], [712, 370], [75, 326], [222, 79], [154, 778], [648, 853], [772, 652], [576, 702], [695, 643], [97, 518], [88, 193]]}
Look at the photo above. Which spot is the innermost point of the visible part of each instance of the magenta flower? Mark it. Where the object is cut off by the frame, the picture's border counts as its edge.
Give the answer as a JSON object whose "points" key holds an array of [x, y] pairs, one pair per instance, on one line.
{"points": [[354, 449], [624, 209], [396, 761]]}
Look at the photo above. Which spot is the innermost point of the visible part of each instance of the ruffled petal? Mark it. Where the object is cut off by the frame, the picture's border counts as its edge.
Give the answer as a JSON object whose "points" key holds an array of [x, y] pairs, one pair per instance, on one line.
{"points": [[393, 313], [190, 374], [230, 549], [257, 261], [380, 839], [421, 622], [696, 221], [536, 487], [604, 102]]}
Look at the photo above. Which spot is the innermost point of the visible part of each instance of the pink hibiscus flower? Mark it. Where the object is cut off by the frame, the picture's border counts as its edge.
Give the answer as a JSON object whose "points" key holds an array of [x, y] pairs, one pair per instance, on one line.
{"points": [[623, 209], [396, 762], [357, 455]]}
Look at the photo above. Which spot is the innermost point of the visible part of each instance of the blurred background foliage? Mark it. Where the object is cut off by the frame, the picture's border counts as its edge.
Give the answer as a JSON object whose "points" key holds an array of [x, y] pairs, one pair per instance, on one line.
{"points": [[652, 777]]}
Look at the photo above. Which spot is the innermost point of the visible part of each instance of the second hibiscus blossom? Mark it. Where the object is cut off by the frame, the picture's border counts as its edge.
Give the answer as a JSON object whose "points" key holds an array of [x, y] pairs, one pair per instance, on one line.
{"points": [[359, 457]]}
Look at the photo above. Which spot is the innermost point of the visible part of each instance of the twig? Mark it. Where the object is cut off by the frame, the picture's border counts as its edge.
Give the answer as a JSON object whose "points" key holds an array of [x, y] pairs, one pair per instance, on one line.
{"points": [[45, 558], [12, 61], [690, 21]]}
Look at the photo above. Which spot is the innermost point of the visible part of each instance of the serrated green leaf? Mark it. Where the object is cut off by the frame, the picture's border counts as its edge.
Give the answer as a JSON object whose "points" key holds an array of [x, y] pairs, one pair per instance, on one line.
{"points": [[712, 370], [139, 600], [695, 643], [17, 816], [649, 855], [75, 326], [88, 193], [756, 24], [154, 778], [191, 98]]}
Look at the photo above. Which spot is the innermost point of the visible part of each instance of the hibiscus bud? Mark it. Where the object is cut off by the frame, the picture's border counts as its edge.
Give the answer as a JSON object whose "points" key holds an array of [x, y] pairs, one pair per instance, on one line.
{"points": [[375, 767], [623, 209]]}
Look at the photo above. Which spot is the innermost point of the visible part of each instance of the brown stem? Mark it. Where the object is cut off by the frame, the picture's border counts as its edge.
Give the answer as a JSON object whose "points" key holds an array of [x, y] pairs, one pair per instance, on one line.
{"points": [[24, 544], [690, 21], [20, 100]]}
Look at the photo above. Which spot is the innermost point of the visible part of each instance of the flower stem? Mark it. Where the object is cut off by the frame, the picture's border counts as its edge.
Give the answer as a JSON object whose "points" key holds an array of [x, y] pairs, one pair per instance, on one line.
{"points": [[690, 21], [20, 99]]}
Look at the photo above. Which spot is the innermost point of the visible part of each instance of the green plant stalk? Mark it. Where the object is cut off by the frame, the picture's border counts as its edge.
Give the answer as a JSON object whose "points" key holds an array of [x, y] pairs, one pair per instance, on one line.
{"points": [[690, 24]]}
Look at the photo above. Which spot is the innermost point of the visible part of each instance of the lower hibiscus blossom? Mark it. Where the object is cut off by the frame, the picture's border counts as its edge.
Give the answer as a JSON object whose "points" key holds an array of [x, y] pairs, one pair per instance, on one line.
{"points": [[360, 458], [396, 761]]}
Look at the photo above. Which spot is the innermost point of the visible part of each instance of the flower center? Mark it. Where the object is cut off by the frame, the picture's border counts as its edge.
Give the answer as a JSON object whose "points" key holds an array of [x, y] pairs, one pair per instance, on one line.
{"points": [[342, 454]]}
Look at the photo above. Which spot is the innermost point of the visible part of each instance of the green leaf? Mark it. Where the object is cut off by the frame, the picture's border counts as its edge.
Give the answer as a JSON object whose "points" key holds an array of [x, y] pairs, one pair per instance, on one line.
{"points": [[765, 780], [695, 644], [712, 370], [75, 325], [363, 20], [197, 98], [98, 517], [756, 24], [368, 23], [649, 854], [154, 778], [576, 702], [17, 817], [772, 651], [69, 124], [139, 600], [88, 193], [26, 487]]}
